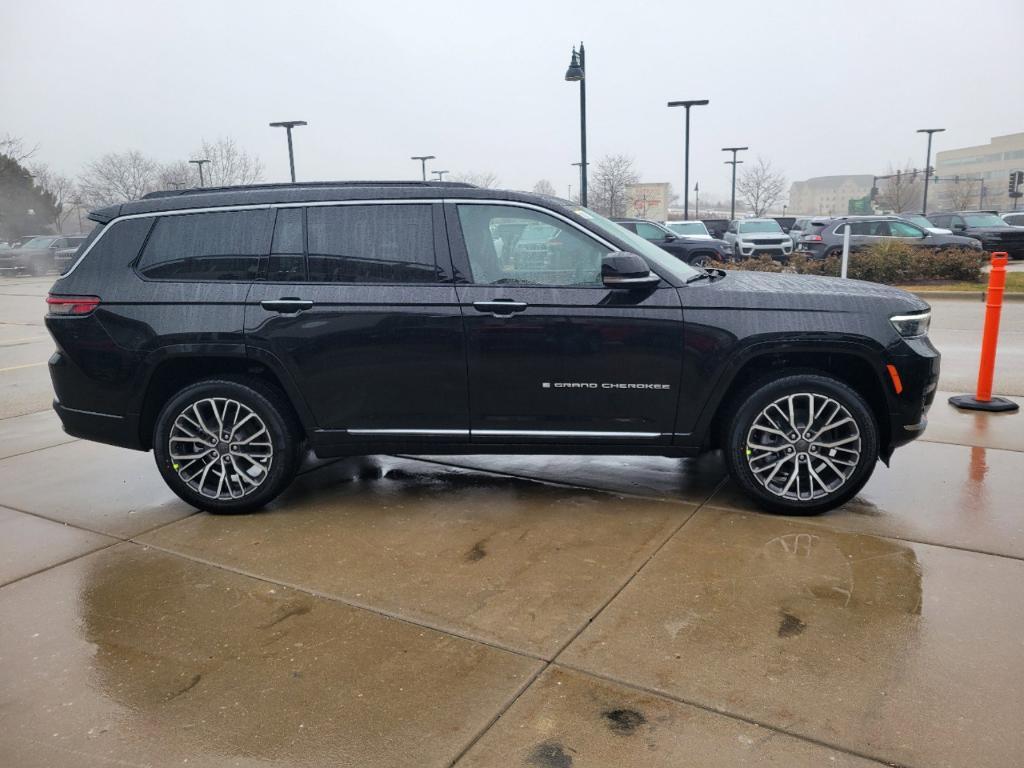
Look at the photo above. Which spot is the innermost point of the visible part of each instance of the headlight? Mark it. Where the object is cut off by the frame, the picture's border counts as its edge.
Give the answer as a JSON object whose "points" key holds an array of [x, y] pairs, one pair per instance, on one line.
{"points": [[912, 326]]}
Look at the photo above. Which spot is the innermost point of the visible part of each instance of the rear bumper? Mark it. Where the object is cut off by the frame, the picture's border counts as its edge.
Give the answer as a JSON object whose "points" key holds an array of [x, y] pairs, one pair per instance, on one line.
{"points": [[122, 431]]}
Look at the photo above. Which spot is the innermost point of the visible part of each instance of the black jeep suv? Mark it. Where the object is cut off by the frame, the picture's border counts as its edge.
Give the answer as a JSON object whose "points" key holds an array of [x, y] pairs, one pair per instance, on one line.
{"points": [[228, 329], [986, 227]]}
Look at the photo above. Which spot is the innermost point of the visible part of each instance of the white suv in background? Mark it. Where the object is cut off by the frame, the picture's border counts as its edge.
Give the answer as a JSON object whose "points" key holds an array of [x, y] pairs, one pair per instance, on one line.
{"points": [[758, 237]]}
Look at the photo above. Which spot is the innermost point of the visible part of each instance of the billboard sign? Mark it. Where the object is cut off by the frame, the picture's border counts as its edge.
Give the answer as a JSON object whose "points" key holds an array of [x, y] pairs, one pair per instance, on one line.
{"points": [[648, 201]]}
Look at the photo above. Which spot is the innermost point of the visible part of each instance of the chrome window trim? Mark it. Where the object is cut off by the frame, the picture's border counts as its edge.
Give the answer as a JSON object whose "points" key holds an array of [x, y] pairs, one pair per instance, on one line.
{"points": [[408, 431], [507, 433], [324, 203]]}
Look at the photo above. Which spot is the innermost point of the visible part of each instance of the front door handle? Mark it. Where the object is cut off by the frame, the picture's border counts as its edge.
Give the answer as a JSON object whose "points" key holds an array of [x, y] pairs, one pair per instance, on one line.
{"points": [[286, 305], [500, 307]]}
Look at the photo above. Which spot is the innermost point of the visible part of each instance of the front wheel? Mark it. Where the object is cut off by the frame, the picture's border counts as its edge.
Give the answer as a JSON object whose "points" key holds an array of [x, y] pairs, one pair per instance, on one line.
{"points": [[801, 444], [227, 446]]}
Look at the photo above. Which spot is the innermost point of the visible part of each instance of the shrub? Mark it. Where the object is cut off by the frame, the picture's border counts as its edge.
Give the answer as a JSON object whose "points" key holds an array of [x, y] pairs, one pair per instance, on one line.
{"points": [[889, 261]]}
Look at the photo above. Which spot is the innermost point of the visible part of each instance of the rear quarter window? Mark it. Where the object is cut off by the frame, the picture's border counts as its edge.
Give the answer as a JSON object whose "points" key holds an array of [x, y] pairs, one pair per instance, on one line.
{"points": [[224, 246]]}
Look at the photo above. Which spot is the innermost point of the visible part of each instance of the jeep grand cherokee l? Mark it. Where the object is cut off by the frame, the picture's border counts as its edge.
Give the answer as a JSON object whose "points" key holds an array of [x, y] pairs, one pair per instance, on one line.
{"points": [[697, 251], [750, 238], [825, 238], [229, 329], [987, 228]]}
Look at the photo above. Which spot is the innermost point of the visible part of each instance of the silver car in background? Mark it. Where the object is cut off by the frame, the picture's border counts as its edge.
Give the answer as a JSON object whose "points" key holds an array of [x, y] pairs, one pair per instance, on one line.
{"points": [[750, 238]]}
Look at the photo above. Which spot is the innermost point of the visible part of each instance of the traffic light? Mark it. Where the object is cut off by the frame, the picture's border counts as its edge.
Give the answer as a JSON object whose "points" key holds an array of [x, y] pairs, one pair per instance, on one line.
{"points": [[1016, 182]]}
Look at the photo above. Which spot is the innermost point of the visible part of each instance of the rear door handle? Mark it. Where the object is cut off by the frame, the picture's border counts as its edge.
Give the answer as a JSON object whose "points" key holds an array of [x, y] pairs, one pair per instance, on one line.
{"points": [[286, 305], [500, 307]]}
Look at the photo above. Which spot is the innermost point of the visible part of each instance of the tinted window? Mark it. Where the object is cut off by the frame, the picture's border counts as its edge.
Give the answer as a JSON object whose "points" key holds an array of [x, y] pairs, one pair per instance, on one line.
{"points": [[288, 251], [516, 246], [649, 231], [223, 246], [371, 244], [903, 229]]}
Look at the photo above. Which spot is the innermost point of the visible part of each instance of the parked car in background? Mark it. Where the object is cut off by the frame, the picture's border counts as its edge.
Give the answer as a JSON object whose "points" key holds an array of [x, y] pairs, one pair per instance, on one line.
{"points": [[758, 237], [987, 228], [716, 227], [827, 240], [693, 250], [786, 222], [693, 229], [64, 255], [36, 256], [232, 330], [801, 226], [1014, 218], [924, 223]]}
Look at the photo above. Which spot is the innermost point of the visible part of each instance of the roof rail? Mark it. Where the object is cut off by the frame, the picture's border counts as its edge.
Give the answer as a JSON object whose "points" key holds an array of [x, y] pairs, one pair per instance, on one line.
{"points": [[304, 184]]}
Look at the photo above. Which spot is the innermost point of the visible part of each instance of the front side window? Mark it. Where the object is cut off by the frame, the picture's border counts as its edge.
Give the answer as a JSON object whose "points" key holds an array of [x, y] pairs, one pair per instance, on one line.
{"points": [[903, 229], [371, 244], [649, 231], [984, 220], [225, 246], [509, 245]]}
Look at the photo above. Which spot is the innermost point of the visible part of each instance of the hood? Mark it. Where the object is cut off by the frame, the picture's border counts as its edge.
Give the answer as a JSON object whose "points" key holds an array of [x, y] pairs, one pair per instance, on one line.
{"points": [[694, 237], [766, 290], [1005, 233], [763, 236]]}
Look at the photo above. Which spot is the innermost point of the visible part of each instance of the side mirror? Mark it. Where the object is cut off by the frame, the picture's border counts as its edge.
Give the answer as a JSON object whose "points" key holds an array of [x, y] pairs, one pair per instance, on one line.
{"points": [[669, 238], [626, 270]]}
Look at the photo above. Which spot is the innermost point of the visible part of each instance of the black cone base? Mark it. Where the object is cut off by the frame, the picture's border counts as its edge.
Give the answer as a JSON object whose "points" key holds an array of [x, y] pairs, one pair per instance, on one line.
{"points": [[995, 404]]}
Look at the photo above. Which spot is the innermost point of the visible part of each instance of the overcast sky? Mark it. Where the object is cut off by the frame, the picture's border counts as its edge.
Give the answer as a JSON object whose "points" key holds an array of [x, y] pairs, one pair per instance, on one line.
{"points": [[816, 87]]}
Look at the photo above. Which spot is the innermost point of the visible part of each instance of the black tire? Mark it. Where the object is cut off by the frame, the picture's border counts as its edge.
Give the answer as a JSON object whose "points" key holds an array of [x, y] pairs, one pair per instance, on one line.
{"points": [[270, 406], [700, 261], [808, 459]]}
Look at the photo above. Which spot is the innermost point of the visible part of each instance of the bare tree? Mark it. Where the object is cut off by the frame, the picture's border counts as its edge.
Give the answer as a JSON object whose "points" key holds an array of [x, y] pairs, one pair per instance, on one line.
{"points": [[60, 188], [607, 191], [15, 153], [178, 174], [228, 164], [904, 191], [544, 187], [485, 179], [117, 177], [961, 194], [761, 186]]}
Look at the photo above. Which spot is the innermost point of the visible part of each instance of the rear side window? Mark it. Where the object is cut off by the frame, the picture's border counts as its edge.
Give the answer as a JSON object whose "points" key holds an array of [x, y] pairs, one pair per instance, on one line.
{"points": [[371, 244], [222, 246], [287, 261]]}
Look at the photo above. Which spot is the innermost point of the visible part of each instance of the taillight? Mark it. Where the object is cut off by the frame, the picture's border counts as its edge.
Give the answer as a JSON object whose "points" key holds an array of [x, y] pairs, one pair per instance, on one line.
{"points": [[71, 305], [812, 238]]}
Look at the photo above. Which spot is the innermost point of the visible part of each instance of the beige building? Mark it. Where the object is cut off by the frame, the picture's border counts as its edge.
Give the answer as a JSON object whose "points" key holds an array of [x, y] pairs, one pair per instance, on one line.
{"points": [[989, 163], [827, 195]]}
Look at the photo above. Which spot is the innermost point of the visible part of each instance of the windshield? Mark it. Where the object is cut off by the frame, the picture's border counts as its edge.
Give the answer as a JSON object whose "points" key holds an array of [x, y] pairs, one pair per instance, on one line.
{"points": [[688, 227], [984, 220], [760, 225], [39, 242], [665, 261]]}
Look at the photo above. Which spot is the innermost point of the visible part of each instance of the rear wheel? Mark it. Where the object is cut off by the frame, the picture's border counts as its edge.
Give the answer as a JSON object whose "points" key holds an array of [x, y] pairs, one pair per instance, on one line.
{"points": [[700, 260], [801, 444], [227, 446]]}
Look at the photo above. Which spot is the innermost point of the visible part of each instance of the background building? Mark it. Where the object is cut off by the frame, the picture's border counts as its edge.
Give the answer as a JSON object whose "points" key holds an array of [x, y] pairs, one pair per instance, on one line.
{"points": [[987, 163], [827, 195]]}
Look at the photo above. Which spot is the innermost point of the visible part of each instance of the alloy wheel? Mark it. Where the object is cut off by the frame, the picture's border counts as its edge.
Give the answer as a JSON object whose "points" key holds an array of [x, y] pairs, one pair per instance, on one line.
{"points": [[220, 448], [803, 447]]}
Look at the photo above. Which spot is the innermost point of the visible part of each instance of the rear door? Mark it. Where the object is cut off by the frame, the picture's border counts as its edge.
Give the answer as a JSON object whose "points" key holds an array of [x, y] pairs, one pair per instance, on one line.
{"points": [[554, 355], [356, 304]]}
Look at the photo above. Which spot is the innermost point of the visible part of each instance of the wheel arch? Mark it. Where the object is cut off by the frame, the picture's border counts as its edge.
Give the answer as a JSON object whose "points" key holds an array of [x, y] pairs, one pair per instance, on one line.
{"points": [[170, 370], [852, 363]]}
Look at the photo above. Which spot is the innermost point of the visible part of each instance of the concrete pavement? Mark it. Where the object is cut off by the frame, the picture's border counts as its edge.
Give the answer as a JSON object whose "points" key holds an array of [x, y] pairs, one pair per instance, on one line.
{"points": [[510, 611]]}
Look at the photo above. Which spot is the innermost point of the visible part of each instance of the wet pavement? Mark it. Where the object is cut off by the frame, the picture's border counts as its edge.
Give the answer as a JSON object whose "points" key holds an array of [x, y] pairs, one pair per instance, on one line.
{"points": [[508, 611]]}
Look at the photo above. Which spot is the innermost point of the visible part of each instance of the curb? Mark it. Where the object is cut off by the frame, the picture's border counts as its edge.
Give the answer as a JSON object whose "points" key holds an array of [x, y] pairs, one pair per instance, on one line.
{"points": [[965, 295]]}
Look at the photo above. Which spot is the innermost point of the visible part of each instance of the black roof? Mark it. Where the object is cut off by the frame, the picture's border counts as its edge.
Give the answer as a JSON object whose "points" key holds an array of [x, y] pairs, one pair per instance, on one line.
{"points": [[264, 194]]}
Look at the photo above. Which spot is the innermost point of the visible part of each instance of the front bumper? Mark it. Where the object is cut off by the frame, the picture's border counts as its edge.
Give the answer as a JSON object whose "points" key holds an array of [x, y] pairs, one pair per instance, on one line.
{"points": [[917, 363], [780, 250]]}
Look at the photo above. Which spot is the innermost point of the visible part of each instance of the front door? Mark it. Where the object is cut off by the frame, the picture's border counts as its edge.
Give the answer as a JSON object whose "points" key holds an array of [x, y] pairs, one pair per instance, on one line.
{"points": [[552, 353], [357, 305]]}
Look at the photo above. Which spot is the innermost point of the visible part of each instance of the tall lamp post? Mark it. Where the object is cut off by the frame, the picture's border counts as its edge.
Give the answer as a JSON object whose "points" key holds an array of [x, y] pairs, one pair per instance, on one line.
{"points": [[288, 125], [423, 162], [439, 174], [583, 179], [200, 164], [928, 165], [577, 72], [686, 162], [696, 204], [734, 162]]}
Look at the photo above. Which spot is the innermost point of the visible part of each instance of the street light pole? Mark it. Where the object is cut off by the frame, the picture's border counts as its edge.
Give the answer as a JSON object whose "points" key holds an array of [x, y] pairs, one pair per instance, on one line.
{"points": [[577, 72], [734, 162], [928, 165], [696, 205], [423, 163], [288, 125], [439, 174], [200, 163], [686, 162]]}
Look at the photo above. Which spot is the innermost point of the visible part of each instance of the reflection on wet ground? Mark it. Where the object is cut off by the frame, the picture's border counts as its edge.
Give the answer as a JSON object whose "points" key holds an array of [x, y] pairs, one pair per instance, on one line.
{"points": [[611, 610]]}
